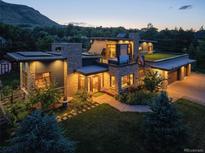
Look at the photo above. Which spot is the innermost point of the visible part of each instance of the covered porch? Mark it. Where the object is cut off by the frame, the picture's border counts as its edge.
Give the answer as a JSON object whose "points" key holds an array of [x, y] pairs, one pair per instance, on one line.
{"points": [[94, 79]]}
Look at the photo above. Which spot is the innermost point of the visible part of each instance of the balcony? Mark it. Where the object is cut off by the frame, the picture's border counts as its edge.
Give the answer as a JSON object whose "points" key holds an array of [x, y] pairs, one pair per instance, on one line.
{"points": [[121, 60]]}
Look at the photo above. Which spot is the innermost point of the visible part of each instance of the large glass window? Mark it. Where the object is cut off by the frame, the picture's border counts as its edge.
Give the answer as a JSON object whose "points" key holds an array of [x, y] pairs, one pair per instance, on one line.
{"points": [[81, 82], [112, 81], [111, 50], [43, 80], [127, 80]]}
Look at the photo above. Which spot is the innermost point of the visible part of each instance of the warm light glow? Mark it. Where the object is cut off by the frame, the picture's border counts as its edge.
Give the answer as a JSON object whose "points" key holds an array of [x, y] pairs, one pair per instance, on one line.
{"points": [[81, 82], [112, 82], [127, 80], [43, 80]]}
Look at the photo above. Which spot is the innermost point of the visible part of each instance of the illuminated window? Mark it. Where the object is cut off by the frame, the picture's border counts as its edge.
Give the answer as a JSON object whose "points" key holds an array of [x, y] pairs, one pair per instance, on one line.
{"points": [[127, 80], [112, 81], [111, 50], [43, 80], [81, 82]]}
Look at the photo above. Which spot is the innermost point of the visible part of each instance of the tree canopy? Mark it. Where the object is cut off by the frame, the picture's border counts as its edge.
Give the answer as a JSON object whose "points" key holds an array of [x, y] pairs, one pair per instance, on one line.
{"points": [[163, 128], [39, 133]]}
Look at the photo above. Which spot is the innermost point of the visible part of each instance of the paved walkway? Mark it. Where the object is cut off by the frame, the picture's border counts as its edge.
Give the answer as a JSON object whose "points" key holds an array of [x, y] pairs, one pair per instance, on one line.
{"points": [[192, 88], [120, 106]]}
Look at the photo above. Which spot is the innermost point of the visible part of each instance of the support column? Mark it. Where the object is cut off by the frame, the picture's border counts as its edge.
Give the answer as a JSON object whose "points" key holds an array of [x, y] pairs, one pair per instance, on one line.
{"points": [[86, 83], [118, 84], [65, 78], [188, 69], [181, 73], [21, 75]]}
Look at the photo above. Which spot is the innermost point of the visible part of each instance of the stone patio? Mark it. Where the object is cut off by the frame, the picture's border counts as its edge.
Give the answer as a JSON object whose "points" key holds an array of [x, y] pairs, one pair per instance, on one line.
{"points": [[71, 113]]}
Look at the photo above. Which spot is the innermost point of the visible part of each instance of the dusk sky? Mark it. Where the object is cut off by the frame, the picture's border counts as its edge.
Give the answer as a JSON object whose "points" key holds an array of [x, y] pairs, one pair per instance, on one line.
{"points": [[128, 13]]}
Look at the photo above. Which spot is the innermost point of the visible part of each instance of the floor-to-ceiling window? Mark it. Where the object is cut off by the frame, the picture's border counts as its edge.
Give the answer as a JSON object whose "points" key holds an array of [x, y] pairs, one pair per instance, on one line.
{"points": [[81, 82]]}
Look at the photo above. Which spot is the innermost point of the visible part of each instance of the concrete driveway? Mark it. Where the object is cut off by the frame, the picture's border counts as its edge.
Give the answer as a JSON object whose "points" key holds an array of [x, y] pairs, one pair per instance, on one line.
{"points": [[192, 88]]}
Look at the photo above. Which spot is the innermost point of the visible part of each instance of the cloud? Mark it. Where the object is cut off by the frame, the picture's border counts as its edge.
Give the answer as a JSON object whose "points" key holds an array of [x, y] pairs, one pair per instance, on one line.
{"points": [[185, 7], [78, 23]]}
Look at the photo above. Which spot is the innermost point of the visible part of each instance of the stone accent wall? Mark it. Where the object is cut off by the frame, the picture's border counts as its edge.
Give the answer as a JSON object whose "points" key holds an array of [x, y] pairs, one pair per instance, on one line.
{"points": [[136, 39], [119, 71], [72, 84], [73, 53]]}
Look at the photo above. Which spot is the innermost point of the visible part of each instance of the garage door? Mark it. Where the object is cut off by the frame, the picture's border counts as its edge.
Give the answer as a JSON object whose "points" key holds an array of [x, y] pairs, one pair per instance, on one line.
{"points": [[172, 76]]}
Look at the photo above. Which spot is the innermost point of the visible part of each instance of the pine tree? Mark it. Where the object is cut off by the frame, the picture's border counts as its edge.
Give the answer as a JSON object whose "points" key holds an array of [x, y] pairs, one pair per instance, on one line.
{"points": [[39, 133], [163, 128]]}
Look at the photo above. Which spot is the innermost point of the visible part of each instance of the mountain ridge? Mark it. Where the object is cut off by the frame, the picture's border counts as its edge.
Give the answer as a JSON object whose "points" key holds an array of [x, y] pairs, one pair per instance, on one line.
{"points": [[16, 14]]}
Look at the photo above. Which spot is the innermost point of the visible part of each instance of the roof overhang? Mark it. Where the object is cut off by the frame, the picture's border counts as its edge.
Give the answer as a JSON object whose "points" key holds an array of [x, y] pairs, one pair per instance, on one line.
{"points": [[148, 41], [111, 38], [35, 56], [171, 65], [91, 70]]}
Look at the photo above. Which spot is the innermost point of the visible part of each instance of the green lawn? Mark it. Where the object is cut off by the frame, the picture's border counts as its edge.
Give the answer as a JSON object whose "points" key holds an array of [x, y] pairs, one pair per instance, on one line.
{"points": [[158, 56], [104, 129], [194, 116]]}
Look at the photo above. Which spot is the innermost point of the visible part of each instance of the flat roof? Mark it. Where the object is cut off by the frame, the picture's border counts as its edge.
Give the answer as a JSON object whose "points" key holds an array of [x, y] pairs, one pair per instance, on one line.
{"points": [[87, 55], [92, 69], [35, 55], [171, 64], [160, 56], [111, 38], [147, 40]]}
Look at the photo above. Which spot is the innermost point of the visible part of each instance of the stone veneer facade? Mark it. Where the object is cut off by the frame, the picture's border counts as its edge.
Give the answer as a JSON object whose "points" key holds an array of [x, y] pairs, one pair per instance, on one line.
{"points": [[120, 71], [73, 53]]}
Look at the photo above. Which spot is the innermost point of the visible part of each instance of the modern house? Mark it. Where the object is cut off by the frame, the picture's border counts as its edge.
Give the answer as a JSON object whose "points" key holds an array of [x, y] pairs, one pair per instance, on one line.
{"points": [[110, 65], [2, 42], [5, 66]]}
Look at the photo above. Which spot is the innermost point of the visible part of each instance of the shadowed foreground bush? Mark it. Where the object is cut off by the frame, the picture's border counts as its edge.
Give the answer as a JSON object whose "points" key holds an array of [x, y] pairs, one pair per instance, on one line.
{"points": [[39, 133]]}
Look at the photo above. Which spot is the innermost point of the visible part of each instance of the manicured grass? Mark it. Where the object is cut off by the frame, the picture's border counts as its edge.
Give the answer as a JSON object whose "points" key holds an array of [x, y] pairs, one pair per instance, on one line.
{"points": [[158, 56], [104, 129], [194, 116]]}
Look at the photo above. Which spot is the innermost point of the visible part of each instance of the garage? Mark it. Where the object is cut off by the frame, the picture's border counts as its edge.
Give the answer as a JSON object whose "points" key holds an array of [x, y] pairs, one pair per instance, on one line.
{"points": [[173, 69], [173, 76]]}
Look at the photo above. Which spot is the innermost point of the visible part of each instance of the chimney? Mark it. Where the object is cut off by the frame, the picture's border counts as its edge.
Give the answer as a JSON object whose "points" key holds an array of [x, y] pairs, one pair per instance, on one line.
{"points": [[136, 39], [73, 53]]}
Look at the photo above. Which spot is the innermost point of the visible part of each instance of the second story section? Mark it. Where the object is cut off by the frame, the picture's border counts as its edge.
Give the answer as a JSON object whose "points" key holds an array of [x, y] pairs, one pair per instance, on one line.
{"points": [[115, 51]]}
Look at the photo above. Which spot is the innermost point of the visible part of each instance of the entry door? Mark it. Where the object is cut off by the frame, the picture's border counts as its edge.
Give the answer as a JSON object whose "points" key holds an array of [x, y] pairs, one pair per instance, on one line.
{"points": [[95, 84]]}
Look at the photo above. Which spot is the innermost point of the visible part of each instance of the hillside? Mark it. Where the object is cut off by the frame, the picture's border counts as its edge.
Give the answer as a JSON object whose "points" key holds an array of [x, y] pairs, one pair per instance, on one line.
{"points": [[15, 14]]}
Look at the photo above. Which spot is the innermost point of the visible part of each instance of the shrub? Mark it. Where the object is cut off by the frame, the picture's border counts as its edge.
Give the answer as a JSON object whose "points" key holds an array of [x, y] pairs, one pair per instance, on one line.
{"points": [[153, 81], [39, 133], [163, 128], [81, 98], [45, 96], [138, 97], [18, 111]]}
